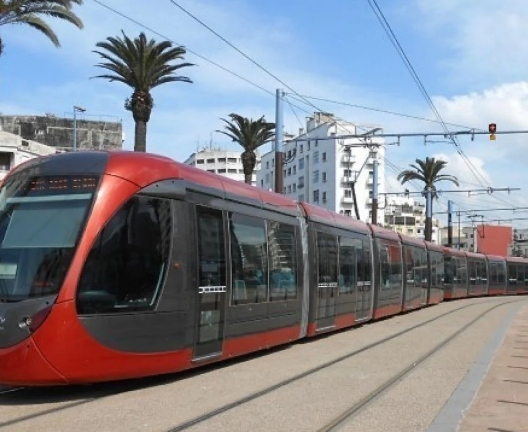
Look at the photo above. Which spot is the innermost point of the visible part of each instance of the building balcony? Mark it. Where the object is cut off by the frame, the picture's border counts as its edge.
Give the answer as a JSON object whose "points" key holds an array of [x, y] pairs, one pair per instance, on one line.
{"points": [[346, 179], [347, 200], [346, 159]]}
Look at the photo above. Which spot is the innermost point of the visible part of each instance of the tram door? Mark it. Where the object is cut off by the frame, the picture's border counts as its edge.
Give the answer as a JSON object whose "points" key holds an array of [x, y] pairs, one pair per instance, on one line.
{"points": [[327, 280], [364, 284], [209, 325]]}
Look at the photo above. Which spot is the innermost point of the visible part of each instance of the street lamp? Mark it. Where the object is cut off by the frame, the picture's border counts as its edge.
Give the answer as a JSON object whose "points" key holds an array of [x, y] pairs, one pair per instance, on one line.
{"points": [[75, 110]]}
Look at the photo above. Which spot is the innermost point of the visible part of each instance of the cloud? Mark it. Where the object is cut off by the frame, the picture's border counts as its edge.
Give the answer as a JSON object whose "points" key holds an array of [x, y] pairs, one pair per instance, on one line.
{"points": [[485, 40]]}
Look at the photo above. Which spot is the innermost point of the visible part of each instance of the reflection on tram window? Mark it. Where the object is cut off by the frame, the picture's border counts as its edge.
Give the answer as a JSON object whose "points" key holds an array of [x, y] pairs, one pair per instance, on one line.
{"points": [[212, 268], [126, 267], [249, 260], [349, 251], [327, 257], [282, 261]]}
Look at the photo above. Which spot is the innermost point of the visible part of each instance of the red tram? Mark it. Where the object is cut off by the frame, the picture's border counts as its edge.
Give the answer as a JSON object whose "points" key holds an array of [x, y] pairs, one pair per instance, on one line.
{"points": [[117, 265]]}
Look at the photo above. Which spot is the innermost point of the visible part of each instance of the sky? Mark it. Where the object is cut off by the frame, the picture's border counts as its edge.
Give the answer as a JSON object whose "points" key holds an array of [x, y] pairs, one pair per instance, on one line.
{"points": [[470, 56]]}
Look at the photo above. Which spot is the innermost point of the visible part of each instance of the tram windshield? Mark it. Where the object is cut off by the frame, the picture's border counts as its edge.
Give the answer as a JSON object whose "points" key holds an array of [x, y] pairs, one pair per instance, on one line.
{"points": [[41, 218]]}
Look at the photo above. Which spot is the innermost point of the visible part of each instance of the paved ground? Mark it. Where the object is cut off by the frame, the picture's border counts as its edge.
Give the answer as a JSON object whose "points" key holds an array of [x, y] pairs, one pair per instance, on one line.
{"points": [[306, 404], [501, 403]]}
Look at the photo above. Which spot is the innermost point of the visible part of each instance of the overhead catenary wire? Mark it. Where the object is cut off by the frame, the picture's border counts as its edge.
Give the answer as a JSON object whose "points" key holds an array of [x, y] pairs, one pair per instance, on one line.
{"points": [[401, 52]]}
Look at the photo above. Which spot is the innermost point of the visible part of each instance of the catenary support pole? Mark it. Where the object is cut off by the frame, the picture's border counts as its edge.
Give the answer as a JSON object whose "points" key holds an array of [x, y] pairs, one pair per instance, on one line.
{"points": [[279, 155]]}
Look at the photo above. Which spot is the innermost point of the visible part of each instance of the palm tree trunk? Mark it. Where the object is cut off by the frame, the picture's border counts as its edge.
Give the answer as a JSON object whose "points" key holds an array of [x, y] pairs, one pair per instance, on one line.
{"points": [[140, 139], [428, 228], [248, 178]]}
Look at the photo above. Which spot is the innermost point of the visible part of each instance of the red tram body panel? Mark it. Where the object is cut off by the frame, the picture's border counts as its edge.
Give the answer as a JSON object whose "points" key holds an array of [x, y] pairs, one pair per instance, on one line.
{"points": [[118, 265]]}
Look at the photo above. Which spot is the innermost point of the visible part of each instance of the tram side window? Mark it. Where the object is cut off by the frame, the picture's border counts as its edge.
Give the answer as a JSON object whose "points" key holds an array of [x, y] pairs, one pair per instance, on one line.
{"points": [[439, 265], [461, 272], [520, 274], [410, 265], [211, 248], [493, 273], [483, 272], [249, 259], [327, 250], [385, 272], [364, 267], [126, 267], [512, 274], [501, 273], [283, 261], [349, 250], [448, 270]]}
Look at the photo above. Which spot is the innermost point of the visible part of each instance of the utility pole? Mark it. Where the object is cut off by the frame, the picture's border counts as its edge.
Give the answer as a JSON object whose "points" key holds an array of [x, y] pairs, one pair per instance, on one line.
{"points": [[279, 155], [375, 187], [459, 230], [76, 109], [449, 223]]}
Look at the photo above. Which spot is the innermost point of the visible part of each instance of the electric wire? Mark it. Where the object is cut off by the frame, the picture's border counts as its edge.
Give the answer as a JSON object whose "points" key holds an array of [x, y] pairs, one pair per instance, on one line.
{"points": [[401, 52]]}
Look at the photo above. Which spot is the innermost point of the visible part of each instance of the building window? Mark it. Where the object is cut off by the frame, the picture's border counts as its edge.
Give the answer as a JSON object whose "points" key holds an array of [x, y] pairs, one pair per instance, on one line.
{"points": [[301, 197], [295, 187], [324, 197], [222, 160], [348, 193], [211, 160], [324, 177], [301, 164], [300, 183], [289, 171], [267, 178], [262, 182], [316, 195], [301, 148], [200, 162], [231, 160], [316, 176], [324, 156], [316, 157], [294, 169], [267, 165]]}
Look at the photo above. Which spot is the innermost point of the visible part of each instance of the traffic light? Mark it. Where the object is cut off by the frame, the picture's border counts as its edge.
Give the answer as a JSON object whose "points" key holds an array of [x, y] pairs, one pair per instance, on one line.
{"points": [[492, 128]]}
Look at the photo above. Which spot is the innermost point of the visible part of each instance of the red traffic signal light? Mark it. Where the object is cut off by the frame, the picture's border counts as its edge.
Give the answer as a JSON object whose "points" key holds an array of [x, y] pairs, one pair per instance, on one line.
{"points": [[492, 128]]}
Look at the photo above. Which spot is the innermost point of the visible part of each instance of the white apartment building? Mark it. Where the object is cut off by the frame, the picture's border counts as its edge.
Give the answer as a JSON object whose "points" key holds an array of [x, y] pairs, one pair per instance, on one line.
{"points": [[223, 162], [319, 168], [407, 217], [14, 150]]}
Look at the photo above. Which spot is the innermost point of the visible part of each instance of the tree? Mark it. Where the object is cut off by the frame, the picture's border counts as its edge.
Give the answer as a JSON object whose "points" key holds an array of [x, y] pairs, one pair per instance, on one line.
{"points": [[142, 65], [30, 13], [428, 172], [250, 134]]}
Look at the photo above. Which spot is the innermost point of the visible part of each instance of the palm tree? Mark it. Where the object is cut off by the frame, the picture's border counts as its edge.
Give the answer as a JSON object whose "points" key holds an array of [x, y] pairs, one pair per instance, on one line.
{"points": [[427, 172], [30, 12], [142, 65], [250, 134]]}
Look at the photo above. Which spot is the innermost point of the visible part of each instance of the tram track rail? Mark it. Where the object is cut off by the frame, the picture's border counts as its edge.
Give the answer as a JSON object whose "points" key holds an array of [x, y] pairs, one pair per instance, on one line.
{"points": [[284, 383], [114, 389], [358, 407]]}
